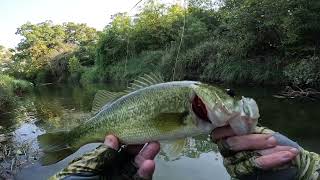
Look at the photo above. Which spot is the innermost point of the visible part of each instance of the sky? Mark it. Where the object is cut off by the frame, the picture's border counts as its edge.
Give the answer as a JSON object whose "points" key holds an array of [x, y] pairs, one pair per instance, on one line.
{"points": [[95, 13]]}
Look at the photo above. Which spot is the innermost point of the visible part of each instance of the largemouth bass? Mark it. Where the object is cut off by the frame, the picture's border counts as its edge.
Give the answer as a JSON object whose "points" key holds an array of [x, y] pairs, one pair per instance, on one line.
{"points": [[154, 110]]}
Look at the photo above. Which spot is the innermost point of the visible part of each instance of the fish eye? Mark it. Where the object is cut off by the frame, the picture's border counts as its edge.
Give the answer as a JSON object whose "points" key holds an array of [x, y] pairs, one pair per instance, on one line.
{"points": [[230, 92]]}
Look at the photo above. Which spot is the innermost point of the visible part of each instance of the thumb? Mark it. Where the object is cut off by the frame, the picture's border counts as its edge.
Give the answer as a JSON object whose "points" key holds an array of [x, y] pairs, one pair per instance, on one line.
{"points": [[146, 170], [112, 142]]}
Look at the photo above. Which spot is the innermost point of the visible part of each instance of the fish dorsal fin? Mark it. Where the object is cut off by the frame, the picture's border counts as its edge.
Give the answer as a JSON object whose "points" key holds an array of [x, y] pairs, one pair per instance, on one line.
{"points": [[174, 149], [102, 98], [145, 81]]}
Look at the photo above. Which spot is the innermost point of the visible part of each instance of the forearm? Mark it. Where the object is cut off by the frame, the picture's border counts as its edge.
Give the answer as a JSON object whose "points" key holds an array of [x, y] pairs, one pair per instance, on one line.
{"points": [[89, 165], [102, 163]]}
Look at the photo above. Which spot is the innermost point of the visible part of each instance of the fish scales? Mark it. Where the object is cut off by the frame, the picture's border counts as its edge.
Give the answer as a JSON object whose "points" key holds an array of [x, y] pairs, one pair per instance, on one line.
{"points": [[164, 111], [131, 115]]}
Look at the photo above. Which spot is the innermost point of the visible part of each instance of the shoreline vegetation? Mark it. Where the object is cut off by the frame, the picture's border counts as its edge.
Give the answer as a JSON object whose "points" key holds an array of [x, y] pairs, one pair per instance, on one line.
{"points": [[234, 41], [11, 90], [12, 155]]}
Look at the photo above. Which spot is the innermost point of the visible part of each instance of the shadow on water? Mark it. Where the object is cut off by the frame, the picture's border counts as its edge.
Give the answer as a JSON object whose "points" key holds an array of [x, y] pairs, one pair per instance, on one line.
{"points": [[55, 107]]}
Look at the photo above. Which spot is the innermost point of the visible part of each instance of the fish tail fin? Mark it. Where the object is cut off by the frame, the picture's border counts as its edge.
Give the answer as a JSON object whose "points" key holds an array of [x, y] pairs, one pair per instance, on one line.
{"points": [[55, 146]]}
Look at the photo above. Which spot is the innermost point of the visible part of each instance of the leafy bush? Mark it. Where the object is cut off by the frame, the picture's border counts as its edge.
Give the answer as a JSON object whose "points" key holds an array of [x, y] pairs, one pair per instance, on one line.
{"points": [[74, 65], [189, 64], [42, 77], [304, 72], [15, 86], [10, 88], [240, 71], [145, 63], [89, 75]]}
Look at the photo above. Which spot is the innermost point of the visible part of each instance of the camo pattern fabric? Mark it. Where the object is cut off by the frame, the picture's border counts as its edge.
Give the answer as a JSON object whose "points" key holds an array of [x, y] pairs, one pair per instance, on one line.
{"points": [[102, 163], [308, 164], [243, 163]]}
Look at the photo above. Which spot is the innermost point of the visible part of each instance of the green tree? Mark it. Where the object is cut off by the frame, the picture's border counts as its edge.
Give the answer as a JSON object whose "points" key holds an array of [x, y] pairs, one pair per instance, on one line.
{"points": [[113, 43], [5, 59], [45, 48], [74, 65]]}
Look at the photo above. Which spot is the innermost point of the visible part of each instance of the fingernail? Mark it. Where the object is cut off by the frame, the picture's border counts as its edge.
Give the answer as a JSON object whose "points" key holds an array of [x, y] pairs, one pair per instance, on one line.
{"points": [[108, 141], [111, 142], [143, 174], [271, 141], [294, 150], [229, 143], [146, 169]]}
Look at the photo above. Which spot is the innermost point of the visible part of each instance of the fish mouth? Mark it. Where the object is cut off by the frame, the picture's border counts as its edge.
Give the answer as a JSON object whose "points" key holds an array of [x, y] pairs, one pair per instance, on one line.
{"points": [[200, 109], [242, 125], [240, 121]]}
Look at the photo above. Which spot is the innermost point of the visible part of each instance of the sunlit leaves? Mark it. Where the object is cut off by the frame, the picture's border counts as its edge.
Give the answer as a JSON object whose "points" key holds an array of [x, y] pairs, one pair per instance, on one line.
{"points": [[43, 43]]}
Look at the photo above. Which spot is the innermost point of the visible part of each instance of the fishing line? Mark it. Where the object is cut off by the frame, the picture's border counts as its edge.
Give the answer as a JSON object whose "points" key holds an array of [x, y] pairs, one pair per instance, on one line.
{"points": [[181, 38], [135, 5], [128, 42], [179, 47], [125, 64]]}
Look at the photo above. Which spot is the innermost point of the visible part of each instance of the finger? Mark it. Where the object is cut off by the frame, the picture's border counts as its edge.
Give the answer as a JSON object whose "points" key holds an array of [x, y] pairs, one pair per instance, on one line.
{"points": [[134, 149], [276, 159], [146, 169], [112, 142], [222, 132], [276, 149], [251, 142], [149, 152]]}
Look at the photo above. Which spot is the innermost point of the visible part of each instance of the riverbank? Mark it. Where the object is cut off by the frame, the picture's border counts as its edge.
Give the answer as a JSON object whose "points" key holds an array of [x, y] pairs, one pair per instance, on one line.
{"points": [[10, 90], [202, 63], [235, 41]]}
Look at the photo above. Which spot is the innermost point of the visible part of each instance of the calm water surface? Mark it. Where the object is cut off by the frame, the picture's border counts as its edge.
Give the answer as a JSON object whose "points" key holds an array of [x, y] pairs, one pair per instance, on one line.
{"points": [[61, 107]]}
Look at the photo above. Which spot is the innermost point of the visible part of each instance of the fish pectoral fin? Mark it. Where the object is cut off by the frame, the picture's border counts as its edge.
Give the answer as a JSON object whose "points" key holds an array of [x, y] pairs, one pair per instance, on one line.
{"points": [[145, 81], [103, 98], [174, 148]]}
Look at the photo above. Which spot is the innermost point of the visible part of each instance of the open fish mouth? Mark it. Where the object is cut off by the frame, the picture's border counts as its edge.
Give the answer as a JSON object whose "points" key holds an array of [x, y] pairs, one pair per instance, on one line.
{"points": [[240, 121], [217, 117], [200, 109]]}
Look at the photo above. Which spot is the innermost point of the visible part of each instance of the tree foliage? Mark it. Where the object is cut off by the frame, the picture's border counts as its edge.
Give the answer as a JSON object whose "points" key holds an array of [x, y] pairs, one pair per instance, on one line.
{"points": [[5, 59], [45, 44], [260, 41], [229, 40]]}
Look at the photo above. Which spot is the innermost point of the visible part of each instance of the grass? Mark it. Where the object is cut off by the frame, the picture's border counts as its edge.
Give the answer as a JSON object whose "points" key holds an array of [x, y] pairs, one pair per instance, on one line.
{"points": [[10, 89]]}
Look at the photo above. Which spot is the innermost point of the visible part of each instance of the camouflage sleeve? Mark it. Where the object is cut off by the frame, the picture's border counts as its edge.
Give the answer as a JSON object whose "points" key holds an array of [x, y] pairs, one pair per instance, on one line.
{"points": [[308, 164], [241, 165], [102, 163]]}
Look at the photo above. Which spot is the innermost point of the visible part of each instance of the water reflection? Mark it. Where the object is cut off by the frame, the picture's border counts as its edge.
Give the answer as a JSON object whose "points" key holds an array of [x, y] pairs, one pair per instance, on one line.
{"points": [[193, 148]]}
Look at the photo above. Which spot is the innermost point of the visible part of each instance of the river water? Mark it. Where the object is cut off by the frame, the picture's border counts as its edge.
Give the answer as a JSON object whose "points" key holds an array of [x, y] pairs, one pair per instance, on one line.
{"points": [[52, 108]]}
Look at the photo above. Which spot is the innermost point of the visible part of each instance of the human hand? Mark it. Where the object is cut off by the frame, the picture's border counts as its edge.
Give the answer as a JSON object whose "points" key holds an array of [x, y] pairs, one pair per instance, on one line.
{"points": [[245, 154], [143, 155]]}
